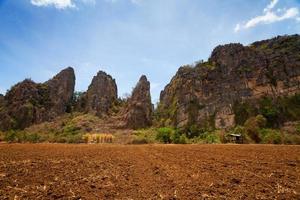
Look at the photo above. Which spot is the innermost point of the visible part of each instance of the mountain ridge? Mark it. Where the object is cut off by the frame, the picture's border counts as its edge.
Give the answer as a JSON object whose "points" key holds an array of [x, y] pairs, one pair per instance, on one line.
{"points": [[206, 95]]}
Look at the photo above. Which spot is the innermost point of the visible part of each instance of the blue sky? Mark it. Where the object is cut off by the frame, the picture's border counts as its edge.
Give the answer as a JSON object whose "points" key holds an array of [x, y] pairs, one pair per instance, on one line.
{"points": [[128, 38]]}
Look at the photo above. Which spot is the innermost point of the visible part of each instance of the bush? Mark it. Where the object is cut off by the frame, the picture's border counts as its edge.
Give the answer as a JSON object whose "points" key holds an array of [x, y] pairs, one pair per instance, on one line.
{"points": [[298, 128], [164, 135], [211, 138], [183, 139], [291, 139], [207, 138], [139, 140], [33, 137], [10, 136], [175, 137], [253, 125], [70, 129], [222, 136], [270, 136], [178, 138], [144, 136], [74, 139], [2, 136]]}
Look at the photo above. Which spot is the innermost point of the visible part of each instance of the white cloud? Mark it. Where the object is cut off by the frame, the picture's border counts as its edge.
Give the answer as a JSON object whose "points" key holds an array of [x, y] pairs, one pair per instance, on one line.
{"points": [[59, 4], [270, 16]]}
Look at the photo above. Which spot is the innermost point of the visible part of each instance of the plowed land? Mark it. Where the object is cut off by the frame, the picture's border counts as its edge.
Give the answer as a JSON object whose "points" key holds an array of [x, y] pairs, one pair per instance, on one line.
{"points": [[59, 171]]}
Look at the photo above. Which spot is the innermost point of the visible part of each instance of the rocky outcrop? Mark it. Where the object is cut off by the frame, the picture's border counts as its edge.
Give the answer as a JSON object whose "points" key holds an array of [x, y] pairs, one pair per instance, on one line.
{"points": [[1, 100], [28, 102], [100, 96], [138, 112], [207, 94], [61, 90]]}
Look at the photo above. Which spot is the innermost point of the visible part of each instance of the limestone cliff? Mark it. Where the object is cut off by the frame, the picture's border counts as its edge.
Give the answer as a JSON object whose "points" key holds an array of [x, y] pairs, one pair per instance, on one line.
{"points": [[138, 112], [28, 102], [61, 90], [208, 93], [100, 96]]}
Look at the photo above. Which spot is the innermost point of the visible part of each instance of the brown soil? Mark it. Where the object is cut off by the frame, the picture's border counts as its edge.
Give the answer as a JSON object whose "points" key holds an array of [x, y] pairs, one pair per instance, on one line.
{"points": [[54, 171]]}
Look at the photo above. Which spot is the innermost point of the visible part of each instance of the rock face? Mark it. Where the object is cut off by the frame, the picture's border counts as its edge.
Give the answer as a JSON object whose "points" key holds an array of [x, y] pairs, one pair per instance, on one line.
{"points": [[138, 112], [100, 96], [28, 102], [207, 94], [1, 100], [61, 90]]}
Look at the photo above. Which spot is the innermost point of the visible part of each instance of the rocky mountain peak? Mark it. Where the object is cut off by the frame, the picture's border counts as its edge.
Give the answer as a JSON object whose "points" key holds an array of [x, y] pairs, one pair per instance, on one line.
{"points": [[61, 90], [101, 94], [139, 108], [28, 102]]}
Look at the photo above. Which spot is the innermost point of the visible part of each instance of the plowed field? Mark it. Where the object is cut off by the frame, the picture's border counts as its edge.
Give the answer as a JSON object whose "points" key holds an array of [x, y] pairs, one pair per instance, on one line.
{"points": [[58, 171]]}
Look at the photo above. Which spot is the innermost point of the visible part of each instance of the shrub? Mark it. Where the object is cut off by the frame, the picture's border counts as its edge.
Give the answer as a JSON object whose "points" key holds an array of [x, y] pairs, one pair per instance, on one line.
{"points": [[195, 131], [291, 139], [175, 137], [222, 136], [252, 126], [145, 136], [10, 136], [178, 138], [207, 138], [74, 139], [211, 138], [2, 136], [270, 136], [164, 135], [183, 139], [32, 137], [139, 140], [71, 129], [298, 128], [20, 136]]}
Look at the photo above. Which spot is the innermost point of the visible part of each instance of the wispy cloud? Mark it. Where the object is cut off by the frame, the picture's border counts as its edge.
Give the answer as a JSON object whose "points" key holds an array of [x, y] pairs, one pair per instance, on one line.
{"points": [[60, 4], [269, 16]]}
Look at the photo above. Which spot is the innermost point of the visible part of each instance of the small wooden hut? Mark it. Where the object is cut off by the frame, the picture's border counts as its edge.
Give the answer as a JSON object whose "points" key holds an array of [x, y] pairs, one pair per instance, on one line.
{"points": [[236, 138]]}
